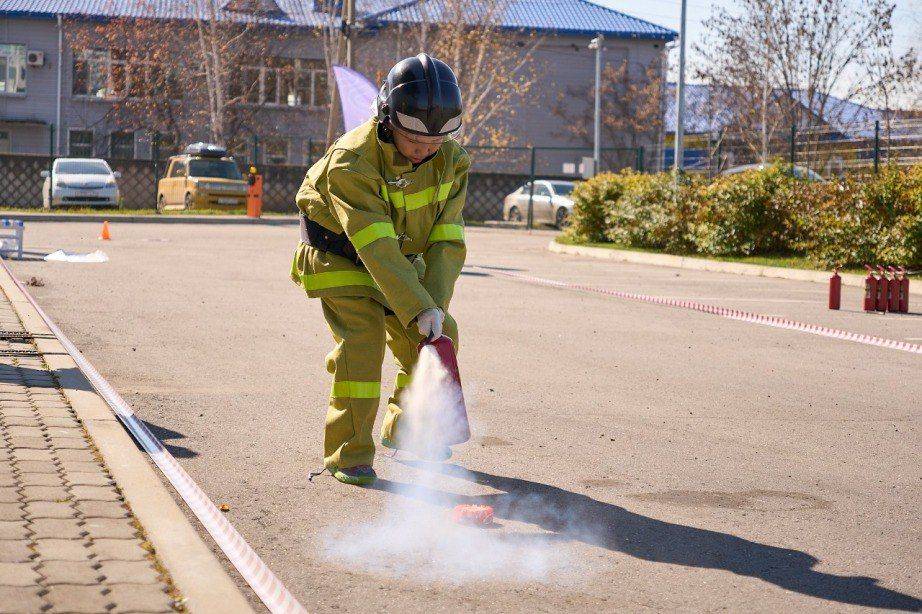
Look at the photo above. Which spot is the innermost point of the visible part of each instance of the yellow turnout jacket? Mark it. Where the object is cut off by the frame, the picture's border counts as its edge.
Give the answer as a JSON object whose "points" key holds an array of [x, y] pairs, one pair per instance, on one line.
{"points": [[405, 223]]}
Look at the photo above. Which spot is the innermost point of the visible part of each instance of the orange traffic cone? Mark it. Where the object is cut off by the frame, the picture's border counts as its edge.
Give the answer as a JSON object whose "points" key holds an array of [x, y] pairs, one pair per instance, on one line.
{"points": [[105, 236]]}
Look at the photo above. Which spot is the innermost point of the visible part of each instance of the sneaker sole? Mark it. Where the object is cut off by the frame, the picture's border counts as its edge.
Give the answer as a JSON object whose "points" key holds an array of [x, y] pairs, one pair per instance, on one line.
{"points": [[354, 481]]}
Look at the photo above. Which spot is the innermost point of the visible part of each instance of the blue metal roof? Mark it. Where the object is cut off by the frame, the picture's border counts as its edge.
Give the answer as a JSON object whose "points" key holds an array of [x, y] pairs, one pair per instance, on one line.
{"points": [[849, 118], [561, 16], [293, 12], [558, 16], [705, 111]]}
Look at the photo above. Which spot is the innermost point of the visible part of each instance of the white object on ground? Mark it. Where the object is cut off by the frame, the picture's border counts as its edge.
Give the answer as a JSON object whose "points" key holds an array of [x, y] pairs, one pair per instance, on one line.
{"points": [[62, 256]]}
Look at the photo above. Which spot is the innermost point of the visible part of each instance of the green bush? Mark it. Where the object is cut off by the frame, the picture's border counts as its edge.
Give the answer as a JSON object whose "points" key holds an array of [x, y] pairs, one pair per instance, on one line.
{"points": [[744, 214], [845, 222], [652, 212], [876, 219], [591, 202]]}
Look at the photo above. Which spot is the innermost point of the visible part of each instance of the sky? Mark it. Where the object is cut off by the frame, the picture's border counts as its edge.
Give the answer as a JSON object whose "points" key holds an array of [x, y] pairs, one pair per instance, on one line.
{"points": [[907, 21]]}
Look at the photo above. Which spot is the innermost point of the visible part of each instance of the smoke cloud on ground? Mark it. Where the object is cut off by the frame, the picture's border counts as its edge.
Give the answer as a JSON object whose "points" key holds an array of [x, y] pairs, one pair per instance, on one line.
{"points": [[415, 537]]}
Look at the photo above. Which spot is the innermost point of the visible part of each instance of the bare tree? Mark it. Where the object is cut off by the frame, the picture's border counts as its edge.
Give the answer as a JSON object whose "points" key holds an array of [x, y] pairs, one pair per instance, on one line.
{"points": [[778, 62], [632, 107], [496, 68], [174, 77], [333, 39], [890, 75]]}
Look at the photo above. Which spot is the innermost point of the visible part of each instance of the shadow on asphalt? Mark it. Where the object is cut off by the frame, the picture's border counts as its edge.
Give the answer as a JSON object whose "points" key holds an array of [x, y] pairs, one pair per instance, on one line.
{"points": [[493, 268], [573, 516], [28, 256], [23, 375], [164, 434]]}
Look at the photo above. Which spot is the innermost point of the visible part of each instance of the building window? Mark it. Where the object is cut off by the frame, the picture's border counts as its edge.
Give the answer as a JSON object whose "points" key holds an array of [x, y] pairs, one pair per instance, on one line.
{"points": [[12, 69], [5, 143], [276, 151], [284, 82], [321, 95], [80, 144], [121, 145], [100, 73], [163, 145]]}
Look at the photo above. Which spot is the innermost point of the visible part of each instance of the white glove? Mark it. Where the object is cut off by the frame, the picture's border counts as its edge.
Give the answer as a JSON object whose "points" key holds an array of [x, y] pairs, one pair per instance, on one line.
{"points": [[430, 322]]}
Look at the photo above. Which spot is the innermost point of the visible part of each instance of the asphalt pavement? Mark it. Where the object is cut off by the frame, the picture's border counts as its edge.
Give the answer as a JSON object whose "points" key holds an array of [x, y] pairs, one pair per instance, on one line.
{"points": [[638, 456]]}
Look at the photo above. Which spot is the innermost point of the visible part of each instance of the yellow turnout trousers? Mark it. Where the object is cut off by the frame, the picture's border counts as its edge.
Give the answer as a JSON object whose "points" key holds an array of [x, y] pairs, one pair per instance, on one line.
{"points": [[361, 327]]}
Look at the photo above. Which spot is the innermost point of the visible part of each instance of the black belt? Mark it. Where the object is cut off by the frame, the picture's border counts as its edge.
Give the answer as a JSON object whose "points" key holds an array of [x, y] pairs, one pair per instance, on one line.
{"points": [[326, 240]]}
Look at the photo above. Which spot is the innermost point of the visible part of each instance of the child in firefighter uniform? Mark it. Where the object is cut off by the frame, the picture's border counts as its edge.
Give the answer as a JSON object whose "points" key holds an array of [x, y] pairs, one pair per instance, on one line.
{"points": [[382, 245]]}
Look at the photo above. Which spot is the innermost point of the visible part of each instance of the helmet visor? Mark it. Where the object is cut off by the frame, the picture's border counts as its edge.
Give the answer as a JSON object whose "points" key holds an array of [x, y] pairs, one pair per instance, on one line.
{"points": [[420, 138]]}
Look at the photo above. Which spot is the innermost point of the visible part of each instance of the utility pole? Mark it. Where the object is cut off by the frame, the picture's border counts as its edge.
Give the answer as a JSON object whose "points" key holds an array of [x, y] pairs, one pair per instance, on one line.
{"points": [[596, 44], [348, 23], [680, 99]]}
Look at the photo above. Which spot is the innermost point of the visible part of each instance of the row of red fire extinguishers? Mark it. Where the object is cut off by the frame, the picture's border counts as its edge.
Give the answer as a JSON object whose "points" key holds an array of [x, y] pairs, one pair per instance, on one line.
{"points": [[881, 293]]}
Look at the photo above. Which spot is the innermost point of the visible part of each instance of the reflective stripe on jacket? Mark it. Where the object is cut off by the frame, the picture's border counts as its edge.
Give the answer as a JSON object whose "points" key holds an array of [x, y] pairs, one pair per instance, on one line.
{"points": [[389, 210]]}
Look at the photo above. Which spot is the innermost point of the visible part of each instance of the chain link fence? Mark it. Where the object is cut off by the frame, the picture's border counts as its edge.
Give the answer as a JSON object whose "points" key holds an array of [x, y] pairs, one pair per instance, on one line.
{"points": [[21, 180], [824, 150], [496, 172]]}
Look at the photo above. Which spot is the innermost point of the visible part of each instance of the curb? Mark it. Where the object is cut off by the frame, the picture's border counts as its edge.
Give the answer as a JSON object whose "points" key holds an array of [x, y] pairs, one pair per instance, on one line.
{"points": [[715, 266], [281, 220], [195, 570]]}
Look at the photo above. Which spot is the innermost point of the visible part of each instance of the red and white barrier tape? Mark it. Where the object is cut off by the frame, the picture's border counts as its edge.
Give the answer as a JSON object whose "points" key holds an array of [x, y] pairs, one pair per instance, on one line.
{"points": [[256, 573], [724, 312]]}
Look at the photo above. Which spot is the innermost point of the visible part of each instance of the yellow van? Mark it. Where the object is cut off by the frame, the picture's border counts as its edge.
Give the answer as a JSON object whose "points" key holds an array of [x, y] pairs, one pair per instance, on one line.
{"points": [[204, 177]]}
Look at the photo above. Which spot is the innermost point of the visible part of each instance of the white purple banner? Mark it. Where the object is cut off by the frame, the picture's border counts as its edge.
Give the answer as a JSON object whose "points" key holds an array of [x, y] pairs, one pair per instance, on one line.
{"points": [[356, 94]]}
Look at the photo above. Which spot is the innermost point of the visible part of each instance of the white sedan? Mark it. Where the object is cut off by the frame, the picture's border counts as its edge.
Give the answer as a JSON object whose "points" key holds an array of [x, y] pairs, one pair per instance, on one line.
{"points": [[799, 172], [80, 182], [551, 203]]}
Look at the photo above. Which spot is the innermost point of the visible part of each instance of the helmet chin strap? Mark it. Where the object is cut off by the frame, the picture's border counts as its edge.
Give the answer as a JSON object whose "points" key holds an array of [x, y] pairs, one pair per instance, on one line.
{"points": [[385, 133]]}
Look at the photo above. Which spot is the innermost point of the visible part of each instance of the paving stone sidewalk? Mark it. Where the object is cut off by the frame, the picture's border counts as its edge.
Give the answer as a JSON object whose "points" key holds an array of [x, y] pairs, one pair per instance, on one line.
{"points": [[68, 541]]}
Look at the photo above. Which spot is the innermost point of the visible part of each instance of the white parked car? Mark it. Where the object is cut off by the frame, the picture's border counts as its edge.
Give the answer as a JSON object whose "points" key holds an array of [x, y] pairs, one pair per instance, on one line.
{"points": [[551, 203], [800, 172], [80, 182]]}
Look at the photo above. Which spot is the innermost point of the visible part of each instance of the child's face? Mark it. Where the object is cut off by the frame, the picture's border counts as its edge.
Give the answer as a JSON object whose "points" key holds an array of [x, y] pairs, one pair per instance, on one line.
{"points": [[414, 147]]}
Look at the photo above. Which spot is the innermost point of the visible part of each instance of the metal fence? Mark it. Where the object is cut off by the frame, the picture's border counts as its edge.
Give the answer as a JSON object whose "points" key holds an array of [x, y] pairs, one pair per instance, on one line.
{"points": [[825, 150], [21, 180], [495, 173]]}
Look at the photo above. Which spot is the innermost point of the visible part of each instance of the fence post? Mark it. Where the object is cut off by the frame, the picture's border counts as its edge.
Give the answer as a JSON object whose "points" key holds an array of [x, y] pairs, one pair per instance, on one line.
{"points": [[876, 146], [155, 154], [51, 128], [310, 151], [793, 139], [639, 163], [720, 151], [531, 190]]}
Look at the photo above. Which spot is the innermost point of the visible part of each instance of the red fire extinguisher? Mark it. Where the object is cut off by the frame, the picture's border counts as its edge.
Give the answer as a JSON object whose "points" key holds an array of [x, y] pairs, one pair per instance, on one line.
{"points": [[870, 290], [883, 289], [835, 290], [457, 428], [903, 303], [893, 305]]}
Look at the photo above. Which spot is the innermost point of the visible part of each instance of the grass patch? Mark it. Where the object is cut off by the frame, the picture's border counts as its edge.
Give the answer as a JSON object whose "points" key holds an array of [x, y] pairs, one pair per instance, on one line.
{"points": [[787, 261]]}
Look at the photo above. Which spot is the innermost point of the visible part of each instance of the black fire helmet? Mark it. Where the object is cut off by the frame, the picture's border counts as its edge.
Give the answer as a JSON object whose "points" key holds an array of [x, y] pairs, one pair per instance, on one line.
{"points": [[421, 96]]}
